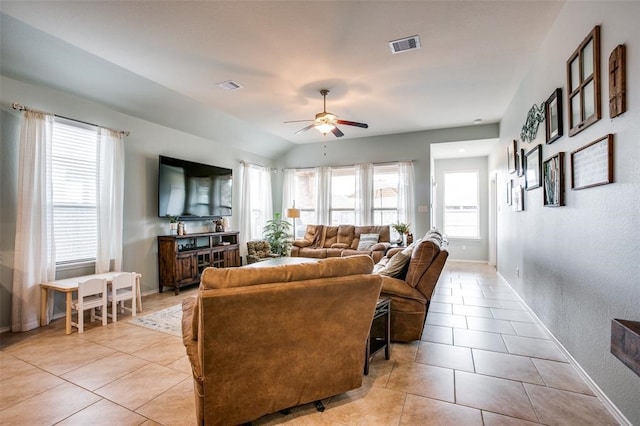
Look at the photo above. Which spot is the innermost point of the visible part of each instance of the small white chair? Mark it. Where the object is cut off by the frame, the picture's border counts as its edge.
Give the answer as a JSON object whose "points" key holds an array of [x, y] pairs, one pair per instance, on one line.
{"points": [[123, 287], [92, 294]]}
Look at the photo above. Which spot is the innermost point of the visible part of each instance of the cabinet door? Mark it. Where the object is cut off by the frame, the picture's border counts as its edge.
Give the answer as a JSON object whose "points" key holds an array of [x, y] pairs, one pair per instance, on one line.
{"points": [[186, 268], [231, 257]]}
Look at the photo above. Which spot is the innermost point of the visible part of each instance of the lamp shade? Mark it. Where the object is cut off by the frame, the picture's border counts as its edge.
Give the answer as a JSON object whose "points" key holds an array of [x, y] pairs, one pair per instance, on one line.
{"points": [[293, 213]]}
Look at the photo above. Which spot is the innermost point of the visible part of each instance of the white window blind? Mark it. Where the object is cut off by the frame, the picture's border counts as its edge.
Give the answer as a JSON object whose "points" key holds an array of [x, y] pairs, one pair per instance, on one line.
{"points": [[74, 174]]}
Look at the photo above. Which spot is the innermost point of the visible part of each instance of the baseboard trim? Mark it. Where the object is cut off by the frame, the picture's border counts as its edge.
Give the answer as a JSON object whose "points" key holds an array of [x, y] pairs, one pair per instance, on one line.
{"points": [[609, 405], [467, 261]]}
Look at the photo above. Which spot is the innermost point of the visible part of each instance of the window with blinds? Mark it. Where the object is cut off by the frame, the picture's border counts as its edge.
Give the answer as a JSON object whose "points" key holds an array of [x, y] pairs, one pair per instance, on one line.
{"points": [[74, 176]]}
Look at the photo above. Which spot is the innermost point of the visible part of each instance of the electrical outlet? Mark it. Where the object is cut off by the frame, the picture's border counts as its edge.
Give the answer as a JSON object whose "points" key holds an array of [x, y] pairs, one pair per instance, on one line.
{"points": [[518, 272]]}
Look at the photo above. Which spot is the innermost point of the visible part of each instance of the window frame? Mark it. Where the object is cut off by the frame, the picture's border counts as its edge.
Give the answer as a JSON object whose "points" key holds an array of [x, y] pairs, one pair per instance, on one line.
{"points": [[445, 229]]}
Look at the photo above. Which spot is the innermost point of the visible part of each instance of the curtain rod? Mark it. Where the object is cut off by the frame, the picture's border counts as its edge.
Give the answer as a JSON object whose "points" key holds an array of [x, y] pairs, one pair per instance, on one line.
{"points": [[19, 107], [351, 165]]}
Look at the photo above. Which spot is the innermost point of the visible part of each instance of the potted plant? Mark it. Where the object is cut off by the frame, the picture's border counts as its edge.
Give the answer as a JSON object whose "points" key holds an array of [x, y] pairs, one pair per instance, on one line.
{"points": [[403, 229], [173, 224], [278, 233]]}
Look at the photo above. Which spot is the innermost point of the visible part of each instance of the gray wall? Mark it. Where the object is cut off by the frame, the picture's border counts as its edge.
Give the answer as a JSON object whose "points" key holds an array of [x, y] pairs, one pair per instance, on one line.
{"points": [[466, 249], [379, 149], [580, 264], [142, 147]]}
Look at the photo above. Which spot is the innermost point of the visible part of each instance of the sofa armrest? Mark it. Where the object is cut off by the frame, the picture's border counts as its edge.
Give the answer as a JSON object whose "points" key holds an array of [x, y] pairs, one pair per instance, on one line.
{"points": [[394, 250], [190, 334], [301, 243], [381, 247]]}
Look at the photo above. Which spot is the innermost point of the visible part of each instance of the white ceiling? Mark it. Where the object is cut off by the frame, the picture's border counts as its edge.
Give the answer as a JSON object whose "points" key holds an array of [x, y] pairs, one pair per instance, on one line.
{"points": [[474, 55]]}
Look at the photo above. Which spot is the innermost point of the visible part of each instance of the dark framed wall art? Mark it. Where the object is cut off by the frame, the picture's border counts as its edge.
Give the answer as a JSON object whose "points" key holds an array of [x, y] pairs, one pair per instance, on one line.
{"points": [[512, 161], [533, 168], [583, 81], [553, 180], [553, 116], [592, 165]]}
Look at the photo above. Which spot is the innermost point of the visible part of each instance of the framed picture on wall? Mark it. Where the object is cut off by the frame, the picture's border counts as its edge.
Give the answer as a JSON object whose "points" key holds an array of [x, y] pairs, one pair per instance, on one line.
{"points": [[512, 161], [533, 167], [592, 165], [583, 82], [518, 198], [521, 162], [553, 116], [509, 191], [553, 180]]}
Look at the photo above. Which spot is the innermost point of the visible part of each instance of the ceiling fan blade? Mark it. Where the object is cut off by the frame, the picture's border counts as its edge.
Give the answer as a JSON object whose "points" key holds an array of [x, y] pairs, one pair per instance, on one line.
{"points": [[296, 121], [337, 132], [310, 126], [353, 123]]}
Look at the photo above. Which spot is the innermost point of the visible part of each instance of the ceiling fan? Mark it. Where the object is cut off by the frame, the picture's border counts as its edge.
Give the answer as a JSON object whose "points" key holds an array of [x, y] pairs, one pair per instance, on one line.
{"points": [[326, 122]]}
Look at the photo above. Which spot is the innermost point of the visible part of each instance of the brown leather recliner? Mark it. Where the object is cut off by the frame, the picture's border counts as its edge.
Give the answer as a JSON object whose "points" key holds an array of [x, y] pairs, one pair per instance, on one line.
{"points": [[410, 294]]}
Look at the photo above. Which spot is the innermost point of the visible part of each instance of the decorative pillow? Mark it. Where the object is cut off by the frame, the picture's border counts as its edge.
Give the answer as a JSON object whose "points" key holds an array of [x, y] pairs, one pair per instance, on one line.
{"points": [[380, 265], [397, 265], [367, 241]]}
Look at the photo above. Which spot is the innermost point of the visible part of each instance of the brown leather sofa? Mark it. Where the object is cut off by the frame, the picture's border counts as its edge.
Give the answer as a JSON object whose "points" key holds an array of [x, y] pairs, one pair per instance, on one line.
{"points": [[411, 289], [264, 339], [322, 241]]}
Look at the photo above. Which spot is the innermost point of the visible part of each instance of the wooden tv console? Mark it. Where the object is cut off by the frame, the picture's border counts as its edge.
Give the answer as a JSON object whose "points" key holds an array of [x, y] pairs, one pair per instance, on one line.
{"points": [[182, 258]]}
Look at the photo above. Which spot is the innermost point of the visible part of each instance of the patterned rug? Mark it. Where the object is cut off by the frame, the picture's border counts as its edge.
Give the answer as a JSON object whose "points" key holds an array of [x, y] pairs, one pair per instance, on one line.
{"points": [[166, 320]]}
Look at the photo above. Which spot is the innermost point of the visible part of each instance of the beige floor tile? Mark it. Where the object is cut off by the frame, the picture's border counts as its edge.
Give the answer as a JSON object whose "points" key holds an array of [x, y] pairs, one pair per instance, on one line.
{"points": [[49, 407], [32, 382], [446, 320], [110, 332], [562, 376], [512, 315], [402, 353], [537, 348], [304, 415], [10, 366], [511, 304], [506, 366], [493, 394], [378, 406], [80, 354], [475, 291], [136, 340], [425, 411], [472, 311], [141, 386], [481, 301], [529, 330], [446, 299], [438, 334], [164, 352], [560, 407], [506, 295], [445, 291], [493, 419], [424, 380], [104, 371], [443, 308], [174, 406], [479, 339], [447, 356], [181, 364], [490, 325], [104, 412]]}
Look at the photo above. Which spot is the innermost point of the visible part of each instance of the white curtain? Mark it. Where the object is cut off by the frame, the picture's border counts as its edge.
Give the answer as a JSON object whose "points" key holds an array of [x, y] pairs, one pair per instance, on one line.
{"points": [[364, 194], [109, 197], [288, 190], [323, 194], [256, 203], [406, 190], [34, 260]]}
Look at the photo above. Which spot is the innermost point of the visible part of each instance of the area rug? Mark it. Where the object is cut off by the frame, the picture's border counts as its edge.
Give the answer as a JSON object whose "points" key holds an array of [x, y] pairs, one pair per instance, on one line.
{"points": [[167, 320]]}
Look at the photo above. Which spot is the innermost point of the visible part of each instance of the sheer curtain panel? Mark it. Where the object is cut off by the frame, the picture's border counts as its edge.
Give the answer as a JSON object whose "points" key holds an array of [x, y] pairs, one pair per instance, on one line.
{"points": [[110, 195], [34, 260], [406, 191], [256, 203]]}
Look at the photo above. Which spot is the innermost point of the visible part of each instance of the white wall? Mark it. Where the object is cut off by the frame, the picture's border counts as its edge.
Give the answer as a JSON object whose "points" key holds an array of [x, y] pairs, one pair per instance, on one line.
{"points": [[142, 147], [580, 264], [466, 249]]}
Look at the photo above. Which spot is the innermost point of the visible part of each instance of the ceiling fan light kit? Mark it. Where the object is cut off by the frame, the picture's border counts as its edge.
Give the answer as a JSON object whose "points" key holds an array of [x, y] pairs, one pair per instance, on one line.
{"points": [[325, 122]]}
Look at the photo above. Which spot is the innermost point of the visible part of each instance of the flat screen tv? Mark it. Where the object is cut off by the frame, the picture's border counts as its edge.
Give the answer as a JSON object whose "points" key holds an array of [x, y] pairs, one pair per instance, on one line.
{"points": [[192, 190]]}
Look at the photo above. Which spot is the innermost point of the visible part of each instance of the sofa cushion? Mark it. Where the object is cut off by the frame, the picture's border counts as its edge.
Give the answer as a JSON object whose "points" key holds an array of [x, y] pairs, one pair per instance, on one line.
{"points": [[340, 245], [329, 236], [397, 265], [422, 256], [395, 287], [215, 278], [367, 241], [345, 236], [302, 243]]}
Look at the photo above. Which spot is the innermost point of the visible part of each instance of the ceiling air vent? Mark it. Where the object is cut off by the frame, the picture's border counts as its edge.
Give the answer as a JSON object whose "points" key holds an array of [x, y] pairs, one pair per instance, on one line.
{"points": [[404, 44], [229, 85]]}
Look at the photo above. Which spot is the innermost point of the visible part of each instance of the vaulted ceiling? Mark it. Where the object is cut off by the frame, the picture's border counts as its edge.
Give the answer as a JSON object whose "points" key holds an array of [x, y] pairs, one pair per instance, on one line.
{"points": [[162, 60]]}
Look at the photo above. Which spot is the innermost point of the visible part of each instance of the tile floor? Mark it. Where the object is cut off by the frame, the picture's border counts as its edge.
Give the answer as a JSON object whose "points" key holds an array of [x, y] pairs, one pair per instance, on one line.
{"points": [[482, 360]]}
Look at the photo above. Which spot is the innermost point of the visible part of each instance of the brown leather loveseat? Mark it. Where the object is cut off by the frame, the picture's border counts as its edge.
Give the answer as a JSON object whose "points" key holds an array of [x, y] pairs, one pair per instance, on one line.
{"points": [[409, 278], [264, 339], [321, 241]]}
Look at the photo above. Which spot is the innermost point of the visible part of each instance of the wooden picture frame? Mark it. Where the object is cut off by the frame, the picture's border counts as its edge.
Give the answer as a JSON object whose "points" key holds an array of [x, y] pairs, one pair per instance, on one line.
{"points": [[521, 161], [592, 165], [583, 83], [553, 180], [512, 161], [533, 168], [553, 116]]}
